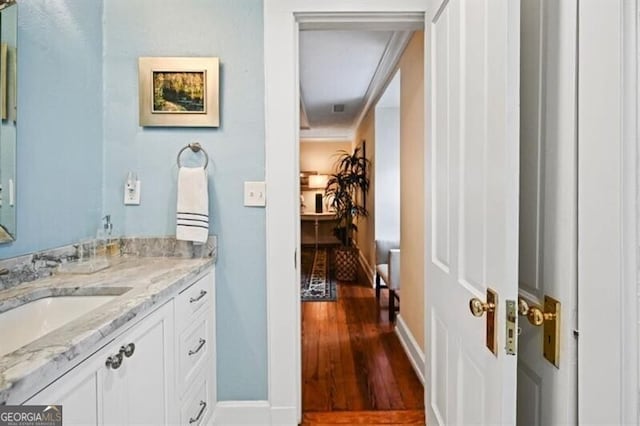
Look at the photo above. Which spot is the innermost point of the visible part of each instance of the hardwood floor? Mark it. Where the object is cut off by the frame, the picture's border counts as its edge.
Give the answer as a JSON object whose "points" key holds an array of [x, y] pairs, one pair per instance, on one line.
{"points": [[404, 417], [353, 363]]}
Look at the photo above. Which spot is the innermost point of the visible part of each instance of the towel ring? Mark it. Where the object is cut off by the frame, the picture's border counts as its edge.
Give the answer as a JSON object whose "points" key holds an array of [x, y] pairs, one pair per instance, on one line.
{"points": [[195, 147]]}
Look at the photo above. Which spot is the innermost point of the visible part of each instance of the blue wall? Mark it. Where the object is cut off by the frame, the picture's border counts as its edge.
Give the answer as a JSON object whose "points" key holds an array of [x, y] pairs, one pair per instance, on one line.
{"points": [[59, 158], [233, 31], [78, 136]]}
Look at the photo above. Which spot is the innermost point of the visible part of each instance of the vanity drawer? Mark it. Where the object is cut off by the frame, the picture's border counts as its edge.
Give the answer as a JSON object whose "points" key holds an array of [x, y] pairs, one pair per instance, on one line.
{"points": [[191, 300], [194, 350], [196, 407]]}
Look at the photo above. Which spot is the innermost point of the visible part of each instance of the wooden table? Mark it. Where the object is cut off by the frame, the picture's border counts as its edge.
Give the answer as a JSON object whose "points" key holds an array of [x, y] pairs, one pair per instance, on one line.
{"points": [[316, 218]]}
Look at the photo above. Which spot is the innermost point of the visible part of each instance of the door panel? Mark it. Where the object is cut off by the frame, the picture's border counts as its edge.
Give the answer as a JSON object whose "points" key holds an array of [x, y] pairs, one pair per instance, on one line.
{"points": [[441, 152], [472, 189], [472, 390], [472, 207], [529, 396], [548, 212], [440, 357], [531, 144]]}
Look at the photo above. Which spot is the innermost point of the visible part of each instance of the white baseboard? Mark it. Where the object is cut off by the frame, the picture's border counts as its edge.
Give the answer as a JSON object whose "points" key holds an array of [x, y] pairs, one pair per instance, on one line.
{"points": [[252, 413], [364, 264], [242, 413], [284, 416], [411, 347]]}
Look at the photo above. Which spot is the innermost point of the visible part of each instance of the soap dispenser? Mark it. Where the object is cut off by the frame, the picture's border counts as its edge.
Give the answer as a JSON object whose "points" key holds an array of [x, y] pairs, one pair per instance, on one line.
{"points": [[111, 247], [108, 226]]}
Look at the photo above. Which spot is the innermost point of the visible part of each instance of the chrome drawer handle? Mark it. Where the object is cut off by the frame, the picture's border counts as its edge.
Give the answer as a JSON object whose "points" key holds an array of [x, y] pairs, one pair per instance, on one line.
{"points": [[200, 296], [114, 362], [203, 406], [196, 350]]}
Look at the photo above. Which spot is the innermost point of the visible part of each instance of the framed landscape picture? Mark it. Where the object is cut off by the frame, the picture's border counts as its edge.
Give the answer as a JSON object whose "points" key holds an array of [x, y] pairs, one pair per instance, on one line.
{"points": [[180, 92]]}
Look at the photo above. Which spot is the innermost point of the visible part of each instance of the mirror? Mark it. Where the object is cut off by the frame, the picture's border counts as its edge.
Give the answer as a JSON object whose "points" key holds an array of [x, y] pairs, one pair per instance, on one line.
{"points": [[8, 118]]}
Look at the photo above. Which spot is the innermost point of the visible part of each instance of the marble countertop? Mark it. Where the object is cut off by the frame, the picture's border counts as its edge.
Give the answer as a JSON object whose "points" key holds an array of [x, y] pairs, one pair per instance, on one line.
{"points": [[152, 281]]}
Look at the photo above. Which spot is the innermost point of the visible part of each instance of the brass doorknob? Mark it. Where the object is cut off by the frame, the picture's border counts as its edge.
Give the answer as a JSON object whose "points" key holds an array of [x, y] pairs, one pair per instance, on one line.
{"points": [[523, 306], [478, 307], [537, 316]]}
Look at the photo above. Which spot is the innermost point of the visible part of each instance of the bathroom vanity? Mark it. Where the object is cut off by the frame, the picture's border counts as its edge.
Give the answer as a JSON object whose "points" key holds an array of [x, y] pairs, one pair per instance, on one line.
{"points": [[144, 356]]}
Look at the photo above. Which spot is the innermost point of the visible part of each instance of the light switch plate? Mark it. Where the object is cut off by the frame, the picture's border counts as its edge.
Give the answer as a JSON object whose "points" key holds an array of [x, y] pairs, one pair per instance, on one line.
{"points": [[255, 194]]}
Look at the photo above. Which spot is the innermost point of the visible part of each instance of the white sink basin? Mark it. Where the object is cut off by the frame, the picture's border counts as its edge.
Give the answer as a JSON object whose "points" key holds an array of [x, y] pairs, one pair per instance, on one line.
{"points": [[26, 323]]}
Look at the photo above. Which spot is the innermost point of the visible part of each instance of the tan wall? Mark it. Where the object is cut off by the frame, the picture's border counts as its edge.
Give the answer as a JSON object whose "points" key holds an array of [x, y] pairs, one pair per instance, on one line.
{"points": [[412, 232], [365, 237], [319, 157]]}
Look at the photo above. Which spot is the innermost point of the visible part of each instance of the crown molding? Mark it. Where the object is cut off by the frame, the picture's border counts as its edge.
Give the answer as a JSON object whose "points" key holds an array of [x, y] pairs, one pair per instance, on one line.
{"points": [[328, 133], [304, 120], [399, 21], [382, 76], [384, 73]]}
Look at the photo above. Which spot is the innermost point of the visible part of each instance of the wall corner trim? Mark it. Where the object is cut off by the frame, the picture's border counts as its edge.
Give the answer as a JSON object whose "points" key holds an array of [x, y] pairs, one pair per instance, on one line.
{"points": [[411, 347]]}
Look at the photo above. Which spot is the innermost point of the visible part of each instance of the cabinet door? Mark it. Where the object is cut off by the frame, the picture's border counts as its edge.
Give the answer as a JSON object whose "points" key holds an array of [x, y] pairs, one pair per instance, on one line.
{"points": [[142, 390], [78, 392], [78, 398]]}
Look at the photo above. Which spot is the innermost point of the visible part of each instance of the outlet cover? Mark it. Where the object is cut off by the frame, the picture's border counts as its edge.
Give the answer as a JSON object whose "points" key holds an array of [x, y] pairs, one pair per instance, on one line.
{"points": [[132, 196]]}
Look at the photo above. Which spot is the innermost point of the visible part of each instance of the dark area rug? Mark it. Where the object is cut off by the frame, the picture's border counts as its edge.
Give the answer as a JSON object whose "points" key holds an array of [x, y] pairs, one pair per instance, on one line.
{"points": [[317, 282]]}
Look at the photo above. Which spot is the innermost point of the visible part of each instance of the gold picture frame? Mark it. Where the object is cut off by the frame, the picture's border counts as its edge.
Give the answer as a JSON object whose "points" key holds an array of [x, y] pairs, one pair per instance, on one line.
{"points": [[179, 92]]}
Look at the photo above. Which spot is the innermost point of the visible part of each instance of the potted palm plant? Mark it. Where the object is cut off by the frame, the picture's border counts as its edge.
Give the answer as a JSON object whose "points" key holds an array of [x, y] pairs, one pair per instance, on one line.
{"points": [[348, 178]]}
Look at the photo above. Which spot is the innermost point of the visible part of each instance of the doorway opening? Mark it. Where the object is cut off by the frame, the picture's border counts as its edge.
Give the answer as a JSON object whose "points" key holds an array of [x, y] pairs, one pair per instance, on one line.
{"points": [[352, 357]]}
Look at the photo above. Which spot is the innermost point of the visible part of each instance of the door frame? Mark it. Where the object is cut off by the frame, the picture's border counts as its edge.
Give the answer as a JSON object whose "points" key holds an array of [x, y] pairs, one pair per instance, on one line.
{"points": [[281, 26], [281, 151], [607, 212]]}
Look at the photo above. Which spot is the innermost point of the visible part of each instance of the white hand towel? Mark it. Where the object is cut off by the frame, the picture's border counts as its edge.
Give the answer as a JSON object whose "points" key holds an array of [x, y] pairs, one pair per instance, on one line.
{"points": [[192, 219]]}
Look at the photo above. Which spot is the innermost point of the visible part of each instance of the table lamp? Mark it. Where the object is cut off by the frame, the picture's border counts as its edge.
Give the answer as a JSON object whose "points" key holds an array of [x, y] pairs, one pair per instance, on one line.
{"points": [[318, 182]]}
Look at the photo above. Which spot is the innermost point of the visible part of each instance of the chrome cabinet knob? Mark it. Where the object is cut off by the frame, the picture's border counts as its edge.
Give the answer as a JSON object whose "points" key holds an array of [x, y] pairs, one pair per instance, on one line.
{"points": [[128, 350], [114, 362]]}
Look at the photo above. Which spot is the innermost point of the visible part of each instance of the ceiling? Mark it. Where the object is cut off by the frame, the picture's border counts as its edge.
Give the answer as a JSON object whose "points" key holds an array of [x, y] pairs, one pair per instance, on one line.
{"points": [[343, 67]]}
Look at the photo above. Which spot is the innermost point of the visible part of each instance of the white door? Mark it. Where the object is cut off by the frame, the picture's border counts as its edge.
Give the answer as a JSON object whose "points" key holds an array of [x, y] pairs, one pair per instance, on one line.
{"points": [[548, 206], [472, 240]]}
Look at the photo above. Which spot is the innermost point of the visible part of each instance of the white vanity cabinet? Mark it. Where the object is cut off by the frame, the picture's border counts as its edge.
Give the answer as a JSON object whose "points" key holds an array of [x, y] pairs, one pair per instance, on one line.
{"points": [[160, 371], [195, 352]]}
